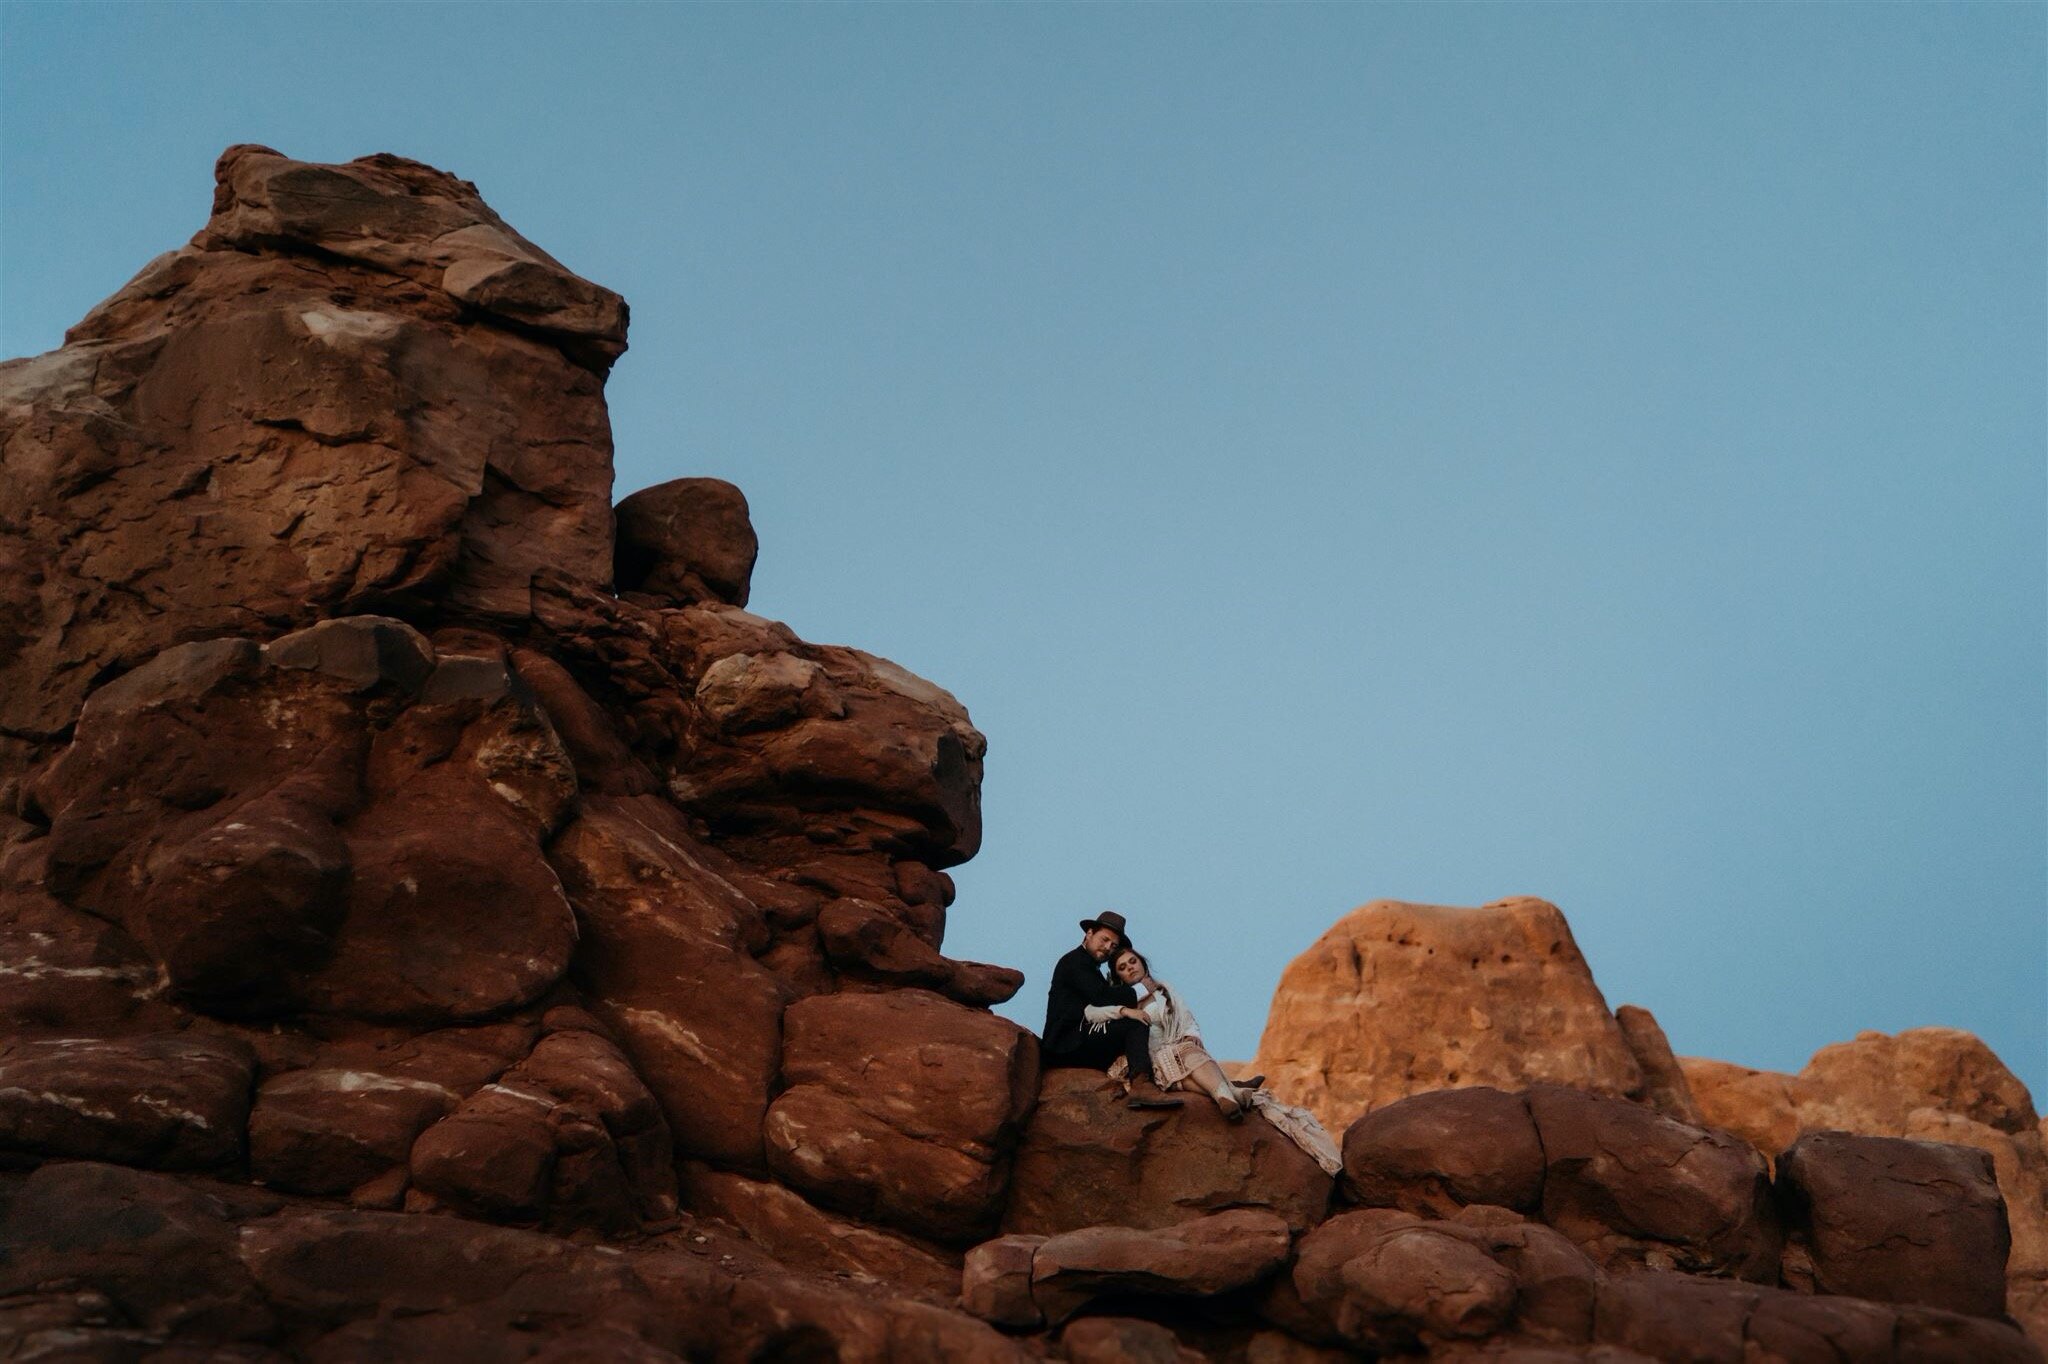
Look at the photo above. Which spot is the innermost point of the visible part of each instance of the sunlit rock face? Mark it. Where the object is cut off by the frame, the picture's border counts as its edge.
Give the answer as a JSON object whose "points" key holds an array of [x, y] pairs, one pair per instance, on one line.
{"points": [[1926, 1084], [439, 921], [1397, 999]]}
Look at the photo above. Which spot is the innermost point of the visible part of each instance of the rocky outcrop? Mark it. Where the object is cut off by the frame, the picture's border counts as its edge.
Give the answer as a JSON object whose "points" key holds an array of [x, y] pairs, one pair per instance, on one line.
{"points": [[1898, 1221], [1030, 1281], [162, 1100], [1486, 1285], [903, 1108], [1664, 1084], [107, 1263], [299, 415], [1925, 1084], [1087, 1160], [437, 920], [1396, 999], [686, 541], [1629, 1187], [344, 821], [363, 852]]}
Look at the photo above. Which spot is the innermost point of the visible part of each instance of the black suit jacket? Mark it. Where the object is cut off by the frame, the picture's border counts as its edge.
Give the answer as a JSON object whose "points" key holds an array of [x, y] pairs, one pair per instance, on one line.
{"points": [[1077, 982]]}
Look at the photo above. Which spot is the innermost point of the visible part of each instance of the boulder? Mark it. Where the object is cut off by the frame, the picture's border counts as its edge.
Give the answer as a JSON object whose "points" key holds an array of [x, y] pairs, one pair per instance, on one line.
{"points": [[666, 959], [1898, 1221], [790, 747], [1202, 1258], [307, 402], [1664, 1085], [569, 1136], [1760, 1106], [1124, 1340], [1087, 1160], [327, 1130], [85, 1245], [1389, 1280], [300, 827], [1386, 1281], [1689, 1320], [1635, 1188], [1435, 1153], [1398, 999], [995, 1282], [801, 1236], [902, 1108], [173, 1101], [1928, 1084], [687, 540]]}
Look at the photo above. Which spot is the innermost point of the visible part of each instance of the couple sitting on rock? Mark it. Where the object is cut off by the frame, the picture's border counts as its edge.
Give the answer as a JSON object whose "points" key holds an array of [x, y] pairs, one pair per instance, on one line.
{"points": [[1148, 1040]]}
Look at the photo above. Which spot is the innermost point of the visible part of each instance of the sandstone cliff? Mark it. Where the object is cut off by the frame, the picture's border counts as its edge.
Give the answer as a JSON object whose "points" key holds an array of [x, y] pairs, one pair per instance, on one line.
{"points": [[438, 920]]}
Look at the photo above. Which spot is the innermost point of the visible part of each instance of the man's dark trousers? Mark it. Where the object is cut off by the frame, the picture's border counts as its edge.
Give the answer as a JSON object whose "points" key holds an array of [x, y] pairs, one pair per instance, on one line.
{"points": [[1097, 1050]]}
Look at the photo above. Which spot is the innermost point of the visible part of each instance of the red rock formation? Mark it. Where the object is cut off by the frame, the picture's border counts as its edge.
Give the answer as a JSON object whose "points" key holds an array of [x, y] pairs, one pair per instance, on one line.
{"points": [[1929, 1084], [1398, 999], [1087, 1160], [411, 947], [902, 1107], [685, 541], [1897, 1221], [359, 844], [1029, 1281], [300, 415]]}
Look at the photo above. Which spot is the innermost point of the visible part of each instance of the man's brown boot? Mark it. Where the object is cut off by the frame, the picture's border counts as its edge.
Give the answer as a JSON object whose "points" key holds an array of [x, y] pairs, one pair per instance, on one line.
{"points": [[1146, 1094]]}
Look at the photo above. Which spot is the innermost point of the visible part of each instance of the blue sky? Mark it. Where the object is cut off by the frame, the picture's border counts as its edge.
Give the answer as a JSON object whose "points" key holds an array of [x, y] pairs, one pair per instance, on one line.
{"points": [[1440, 452]]}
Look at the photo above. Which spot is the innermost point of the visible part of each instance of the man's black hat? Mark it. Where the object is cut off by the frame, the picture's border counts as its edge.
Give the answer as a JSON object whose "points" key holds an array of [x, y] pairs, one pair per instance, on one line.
{"points": [[1110, 920]]}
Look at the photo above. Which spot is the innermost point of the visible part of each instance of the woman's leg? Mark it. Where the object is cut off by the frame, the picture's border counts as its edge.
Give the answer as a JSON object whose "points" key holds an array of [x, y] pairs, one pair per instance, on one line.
{"points": [[1209, 1078]]}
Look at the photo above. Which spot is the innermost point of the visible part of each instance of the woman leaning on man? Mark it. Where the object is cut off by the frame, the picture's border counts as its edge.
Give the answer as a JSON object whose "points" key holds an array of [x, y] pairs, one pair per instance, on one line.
{"points": [[1179, 1061]]}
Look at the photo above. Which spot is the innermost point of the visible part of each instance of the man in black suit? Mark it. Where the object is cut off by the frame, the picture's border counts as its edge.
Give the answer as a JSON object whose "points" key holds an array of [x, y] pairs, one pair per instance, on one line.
{"points": [[1084, 1026]]}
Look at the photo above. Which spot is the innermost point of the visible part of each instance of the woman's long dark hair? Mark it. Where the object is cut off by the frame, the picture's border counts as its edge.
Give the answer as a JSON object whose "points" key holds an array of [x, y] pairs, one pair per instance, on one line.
{"points": [[1128, 950]]}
